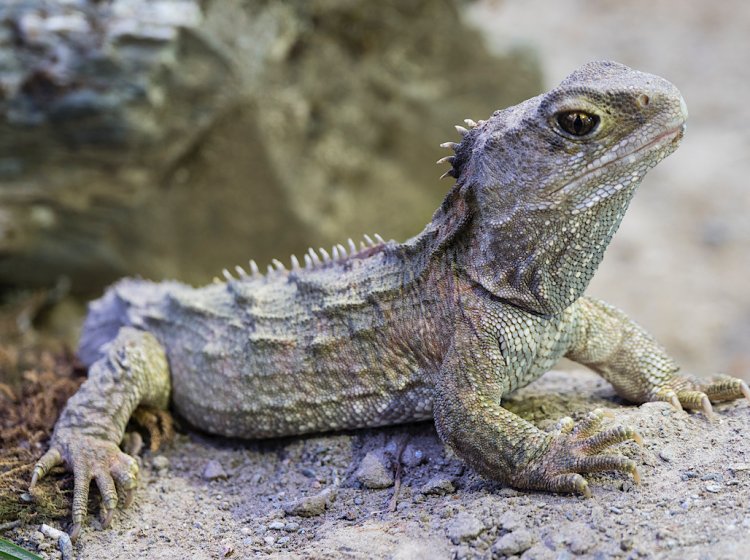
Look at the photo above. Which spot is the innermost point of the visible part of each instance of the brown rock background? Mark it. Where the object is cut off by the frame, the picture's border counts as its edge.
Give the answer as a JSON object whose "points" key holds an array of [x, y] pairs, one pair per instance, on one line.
{"points": [[173, 138]]}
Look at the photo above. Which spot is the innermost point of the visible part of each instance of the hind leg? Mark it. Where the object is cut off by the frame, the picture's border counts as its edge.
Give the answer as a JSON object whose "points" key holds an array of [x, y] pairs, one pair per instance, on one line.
{"points": [[87, 435]]}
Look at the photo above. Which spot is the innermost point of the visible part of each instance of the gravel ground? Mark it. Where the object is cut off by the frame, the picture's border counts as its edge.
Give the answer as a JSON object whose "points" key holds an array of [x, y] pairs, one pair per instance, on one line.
{"points": [[693, 502]]}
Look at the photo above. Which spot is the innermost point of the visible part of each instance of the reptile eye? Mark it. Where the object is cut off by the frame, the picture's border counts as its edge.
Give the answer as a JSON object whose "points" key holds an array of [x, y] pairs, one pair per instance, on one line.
{"points": [[577, 123]]}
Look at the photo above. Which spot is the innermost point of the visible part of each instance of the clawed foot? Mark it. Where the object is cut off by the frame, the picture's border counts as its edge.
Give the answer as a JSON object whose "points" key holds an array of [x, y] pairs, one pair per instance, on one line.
{"points": [[115, 473], [577, 449], [689, 392]]}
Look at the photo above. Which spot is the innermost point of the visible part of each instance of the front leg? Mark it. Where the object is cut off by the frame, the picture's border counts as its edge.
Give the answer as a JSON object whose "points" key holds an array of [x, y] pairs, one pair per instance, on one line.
{"points": [[502, 446], [88, 433], [610, 343]]}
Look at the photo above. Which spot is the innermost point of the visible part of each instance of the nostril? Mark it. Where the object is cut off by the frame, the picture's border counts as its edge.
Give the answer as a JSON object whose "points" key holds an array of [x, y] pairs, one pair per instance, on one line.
{"points": [[643, 100]]}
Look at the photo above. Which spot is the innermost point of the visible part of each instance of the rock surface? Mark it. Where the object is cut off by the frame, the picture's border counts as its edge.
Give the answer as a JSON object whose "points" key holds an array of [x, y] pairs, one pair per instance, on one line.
{"points": [[174, 138]]}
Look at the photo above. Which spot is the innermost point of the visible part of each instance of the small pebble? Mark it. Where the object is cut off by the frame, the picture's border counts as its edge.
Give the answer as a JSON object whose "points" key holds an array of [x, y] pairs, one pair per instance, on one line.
{"points": [[160, 462], [348, 515], [269, 540], [667, 456], [513, 543], [276, 525], [579, 544], [213, 470], [464, 527], [291, 527], [714, 488], [438, 486], [413, 457], [310, 506], [373, 473], [509, 521]]}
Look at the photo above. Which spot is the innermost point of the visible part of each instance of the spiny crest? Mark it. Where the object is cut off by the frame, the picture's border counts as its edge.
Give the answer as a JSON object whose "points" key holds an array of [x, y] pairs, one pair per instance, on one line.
{"points": [[312, 259], [455, 169]]}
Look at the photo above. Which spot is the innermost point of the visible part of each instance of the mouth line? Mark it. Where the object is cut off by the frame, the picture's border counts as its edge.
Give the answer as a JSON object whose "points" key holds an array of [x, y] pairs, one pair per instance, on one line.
{"points": [[662, 139]]}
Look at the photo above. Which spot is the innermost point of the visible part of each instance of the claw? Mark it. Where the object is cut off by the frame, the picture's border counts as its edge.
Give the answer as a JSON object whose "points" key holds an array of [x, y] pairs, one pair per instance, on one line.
{"points": [[128, 499], [565, 425], [75, 531], [45, 463], [675, 402], [107, 515], [707, 408], [745, 390]]}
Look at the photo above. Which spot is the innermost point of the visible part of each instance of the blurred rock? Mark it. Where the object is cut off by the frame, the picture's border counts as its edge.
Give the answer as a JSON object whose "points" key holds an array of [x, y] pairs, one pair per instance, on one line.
{"points": [[172, 138], [373, 472]]}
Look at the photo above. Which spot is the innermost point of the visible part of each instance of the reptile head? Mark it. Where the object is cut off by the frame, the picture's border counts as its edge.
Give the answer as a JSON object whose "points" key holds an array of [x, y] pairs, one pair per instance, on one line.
{"points": [[548, 180]]}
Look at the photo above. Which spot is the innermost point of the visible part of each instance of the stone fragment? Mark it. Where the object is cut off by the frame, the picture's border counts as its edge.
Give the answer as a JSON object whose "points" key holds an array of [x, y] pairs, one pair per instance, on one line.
{"points": [[373, 473], [310, 506], [438, 486], [213, 470], [514, 543], [464, 527]]}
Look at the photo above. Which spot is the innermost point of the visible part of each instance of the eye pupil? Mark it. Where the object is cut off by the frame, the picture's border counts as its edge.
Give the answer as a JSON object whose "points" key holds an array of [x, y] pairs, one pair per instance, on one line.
{"points": [[577, 123]]}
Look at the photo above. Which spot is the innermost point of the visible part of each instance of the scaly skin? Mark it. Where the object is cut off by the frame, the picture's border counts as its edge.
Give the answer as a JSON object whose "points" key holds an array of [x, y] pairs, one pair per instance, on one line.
{"points": [[485, 300]]}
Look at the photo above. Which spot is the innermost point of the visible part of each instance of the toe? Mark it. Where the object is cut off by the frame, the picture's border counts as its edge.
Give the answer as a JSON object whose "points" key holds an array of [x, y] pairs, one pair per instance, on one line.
{"points": [[600, 441], [667, 394], [694, 400], [600, 463], [569, 482], [47, 461], [125, 475], [107, 489], [591, 424], [81, 481], [726, 388]]}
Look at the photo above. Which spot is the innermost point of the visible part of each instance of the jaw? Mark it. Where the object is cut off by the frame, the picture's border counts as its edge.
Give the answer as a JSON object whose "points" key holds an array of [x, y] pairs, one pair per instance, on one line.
{"points": [[618, 169]]}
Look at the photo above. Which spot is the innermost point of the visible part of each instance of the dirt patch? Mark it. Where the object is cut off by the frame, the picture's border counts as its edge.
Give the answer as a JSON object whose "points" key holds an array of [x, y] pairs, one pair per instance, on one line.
{"points": [[694, 500]]}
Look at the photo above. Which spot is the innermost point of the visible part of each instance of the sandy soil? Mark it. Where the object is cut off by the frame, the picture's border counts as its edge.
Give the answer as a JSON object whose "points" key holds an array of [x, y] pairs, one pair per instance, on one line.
{"points": [[693, 502]]}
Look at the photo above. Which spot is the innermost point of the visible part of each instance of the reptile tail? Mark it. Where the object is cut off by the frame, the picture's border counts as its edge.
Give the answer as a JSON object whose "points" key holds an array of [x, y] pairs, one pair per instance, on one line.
{"points": [[106, 316], [129, 302]]}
